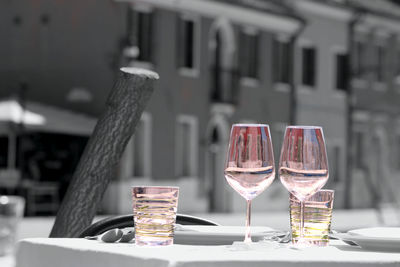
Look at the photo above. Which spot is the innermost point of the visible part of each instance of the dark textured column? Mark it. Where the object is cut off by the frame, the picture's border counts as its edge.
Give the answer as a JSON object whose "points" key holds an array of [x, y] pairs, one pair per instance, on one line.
{"points": [[100, 159]]}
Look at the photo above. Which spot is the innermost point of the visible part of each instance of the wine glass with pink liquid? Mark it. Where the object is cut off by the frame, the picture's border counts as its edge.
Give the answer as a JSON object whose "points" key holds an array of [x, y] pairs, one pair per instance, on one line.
{"points": [[249, 167], [303, 166]]}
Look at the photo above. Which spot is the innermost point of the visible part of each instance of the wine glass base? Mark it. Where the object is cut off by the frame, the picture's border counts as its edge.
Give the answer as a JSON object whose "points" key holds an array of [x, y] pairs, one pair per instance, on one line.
{"points": [[241, 245], [259, 246]]}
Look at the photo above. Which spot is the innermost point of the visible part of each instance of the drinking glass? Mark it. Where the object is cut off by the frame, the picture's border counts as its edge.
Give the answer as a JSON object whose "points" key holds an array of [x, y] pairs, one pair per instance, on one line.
{"points": [[317, 217], [303, 165], [11, 212], [154, 214], [249, 167]]}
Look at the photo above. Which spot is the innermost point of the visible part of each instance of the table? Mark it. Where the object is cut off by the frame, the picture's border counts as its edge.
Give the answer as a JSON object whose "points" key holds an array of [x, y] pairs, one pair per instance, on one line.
{"points": [[63, 252], [43, 252]]}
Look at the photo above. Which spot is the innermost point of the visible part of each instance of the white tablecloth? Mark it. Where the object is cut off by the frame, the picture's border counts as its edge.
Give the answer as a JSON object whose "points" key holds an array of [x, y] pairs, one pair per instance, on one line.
{"points": [[45, 252]]}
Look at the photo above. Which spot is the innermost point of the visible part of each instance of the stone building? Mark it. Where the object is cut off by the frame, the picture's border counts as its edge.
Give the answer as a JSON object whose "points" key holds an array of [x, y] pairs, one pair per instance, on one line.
{"points": [[333, 63], [309, 77], [220, 62], [320, 71], [374, 105], [367, 175]]}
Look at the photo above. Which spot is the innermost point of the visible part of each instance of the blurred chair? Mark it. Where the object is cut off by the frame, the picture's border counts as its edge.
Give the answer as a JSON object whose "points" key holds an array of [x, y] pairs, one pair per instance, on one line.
{"points": [[124, 221], [41, 197], [10, 180]]}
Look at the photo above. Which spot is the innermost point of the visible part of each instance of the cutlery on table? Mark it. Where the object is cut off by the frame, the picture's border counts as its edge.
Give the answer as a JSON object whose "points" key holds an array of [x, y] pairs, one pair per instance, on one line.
{"points": [[113, 235]]}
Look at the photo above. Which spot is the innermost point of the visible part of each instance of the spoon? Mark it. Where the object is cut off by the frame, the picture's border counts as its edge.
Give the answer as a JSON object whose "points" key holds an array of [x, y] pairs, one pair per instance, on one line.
{"points": [[127, 237], [280, 237], [283, 238], [109, 236], [114, 235]]}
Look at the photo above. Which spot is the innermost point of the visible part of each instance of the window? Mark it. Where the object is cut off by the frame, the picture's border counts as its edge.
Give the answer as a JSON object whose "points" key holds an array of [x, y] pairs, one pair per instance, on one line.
{"points": [[380, 63], [396, 74], [142, 34], [309, 66], [341, 71], [334, 163], [140, 145], [188, 43], [397, 63], [359, 60], [248, 54], [398, 151], [359, 149], [281, 61], [186, 146], [4, 152]]}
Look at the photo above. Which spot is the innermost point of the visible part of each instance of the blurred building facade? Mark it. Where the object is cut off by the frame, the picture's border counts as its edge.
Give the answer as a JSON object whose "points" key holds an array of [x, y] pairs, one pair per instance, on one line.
{"points": [[216, 70], [65, 53], [374, 103], [333, 63], [321, 81], [304, 76], [58, 64]]}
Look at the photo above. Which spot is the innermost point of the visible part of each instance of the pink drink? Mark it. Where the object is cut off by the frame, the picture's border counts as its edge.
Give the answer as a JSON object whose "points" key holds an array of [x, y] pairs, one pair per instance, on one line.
{"points": [[303, 166], [154, 213], [249, 182], [249, 166], [303, 183]]}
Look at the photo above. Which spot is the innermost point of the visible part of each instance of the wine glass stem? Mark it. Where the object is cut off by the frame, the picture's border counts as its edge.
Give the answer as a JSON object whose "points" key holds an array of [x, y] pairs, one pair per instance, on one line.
{"points": [[247, 238], [301, 220]]}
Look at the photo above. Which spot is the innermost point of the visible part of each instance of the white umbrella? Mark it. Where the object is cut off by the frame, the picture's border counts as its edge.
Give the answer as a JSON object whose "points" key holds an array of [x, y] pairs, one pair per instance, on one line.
{"points": [[43, 118], [12, 111]]}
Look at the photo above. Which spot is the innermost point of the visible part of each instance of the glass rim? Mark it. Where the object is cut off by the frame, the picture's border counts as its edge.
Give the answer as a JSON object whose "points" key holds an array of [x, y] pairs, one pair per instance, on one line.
{"points": [[155, 186], [250, 125], [303, 127], [331, 193], [326, 190], [321, 190]]}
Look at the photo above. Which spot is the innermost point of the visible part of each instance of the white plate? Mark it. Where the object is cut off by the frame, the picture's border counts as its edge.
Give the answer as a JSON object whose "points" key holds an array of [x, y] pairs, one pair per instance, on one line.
{"points": [[378, 232], [377, 238], [217, 235]]}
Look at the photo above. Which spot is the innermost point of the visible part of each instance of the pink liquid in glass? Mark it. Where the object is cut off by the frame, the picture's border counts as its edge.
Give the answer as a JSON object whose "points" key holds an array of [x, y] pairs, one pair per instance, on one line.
{"points": [[303, 166], [249, 182], [303, 183], [249, 166]]}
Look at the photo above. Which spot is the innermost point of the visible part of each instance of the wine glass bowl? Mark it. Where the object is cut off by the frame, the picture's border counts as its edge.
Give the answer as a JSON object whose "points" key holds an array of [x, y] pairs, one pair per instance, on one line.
{"points": [[303, 165], [249, 167], [249, 183]]}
